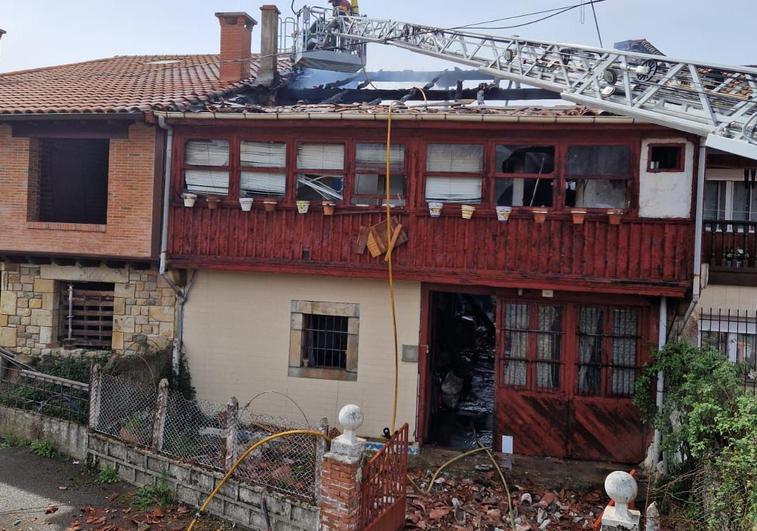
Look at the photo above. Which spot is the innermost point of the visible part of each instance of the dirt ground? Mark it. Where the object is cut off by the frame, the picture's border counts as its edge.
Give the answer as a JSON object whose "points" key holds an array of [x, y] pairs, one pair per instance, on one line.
{"points": [[57, 494]]}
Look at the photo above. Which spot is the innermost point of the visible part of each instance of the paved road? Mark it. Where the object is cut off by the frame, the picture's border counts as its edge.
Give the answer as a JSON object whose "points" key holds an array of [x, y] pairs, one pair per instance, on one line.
{"points": [[29, 484]]}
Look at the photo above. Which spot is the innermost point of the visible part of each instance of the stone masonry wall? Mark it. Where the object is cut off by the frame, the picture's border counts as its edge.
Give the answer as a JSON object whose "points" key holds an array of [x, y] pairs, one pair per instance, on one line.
{"points": [[32, 319]]}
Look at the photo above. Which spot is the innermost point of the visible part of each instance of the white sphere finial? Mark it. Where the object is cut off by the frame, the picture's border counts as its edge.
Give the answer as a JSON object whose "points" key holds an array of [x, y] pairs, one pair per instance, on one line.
{"points": [[351, 418], [622, 488]]}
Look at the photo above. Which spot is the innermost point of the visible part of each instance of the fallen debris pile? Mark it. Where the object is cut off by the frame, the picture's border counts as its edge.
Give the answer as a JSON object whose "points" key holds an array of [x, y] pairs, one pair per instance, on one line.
{"points": [[479, 501]]}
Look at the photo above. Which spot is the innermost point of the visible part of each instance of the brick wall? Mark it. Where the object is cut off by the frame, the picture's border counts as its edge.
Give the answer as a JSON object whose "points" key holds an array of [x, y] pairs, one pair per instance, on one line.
{"points": [[31, 315], [131, 192]]}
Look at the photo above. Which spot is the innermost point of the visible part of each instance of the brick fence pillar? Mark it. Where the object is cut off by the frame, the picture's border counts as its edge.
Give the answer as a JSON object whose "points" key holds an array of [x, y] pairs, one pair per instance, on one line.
{"points": [[341, 475]]}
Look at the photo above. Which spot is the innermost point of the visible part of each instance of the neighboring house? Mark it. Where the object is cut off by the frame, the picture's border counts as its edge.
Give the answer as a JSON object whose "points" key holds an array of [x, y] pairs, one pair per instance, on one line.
{"points": [[81, 185]]}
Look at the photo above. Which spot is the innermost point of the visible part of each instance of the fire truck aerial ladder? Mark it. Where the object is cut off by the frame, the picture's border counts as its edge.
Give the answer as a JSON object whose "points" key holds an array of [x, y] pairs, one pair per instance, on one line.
{"points": [[717, 102]]}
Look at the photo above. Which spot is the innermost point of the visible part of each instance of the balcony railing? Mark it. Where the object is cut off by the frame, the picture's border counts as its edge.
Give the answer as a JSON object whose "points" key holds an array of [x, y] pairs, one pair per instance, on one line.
{"points": [[730, 246]]}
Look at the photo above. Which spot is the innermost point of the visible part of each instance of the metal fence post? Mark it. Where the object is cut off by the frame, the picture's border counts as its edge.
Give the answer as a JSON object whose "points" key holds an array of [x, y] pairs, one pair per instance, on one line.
{"points": [[95, 392], [159, 423], [232, 431]]}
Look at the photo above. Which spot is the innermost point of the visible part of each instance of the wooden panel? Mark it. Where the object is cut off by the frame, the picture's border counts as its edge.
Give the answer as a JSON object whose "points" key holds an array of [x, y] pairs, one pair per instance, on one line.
{"points": [[607, 430], [382, 504], [643, 256], [538, 422]]}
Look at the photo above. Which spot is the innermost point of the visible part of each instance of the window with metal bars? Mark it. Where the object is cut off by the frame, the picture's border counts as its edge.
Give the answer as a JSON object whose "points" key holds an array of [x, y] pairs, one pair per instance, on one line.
{"points": [[324, 343], [608, 351], [533, 334], [87, 314]]}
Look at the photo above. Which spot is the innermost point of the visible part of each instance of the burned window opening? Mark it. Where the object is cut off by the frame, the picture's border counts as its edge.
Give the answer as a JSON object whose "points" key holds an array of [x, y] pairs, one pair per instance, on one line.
{"points": [[320, 172], [87, 314], [462, 364], [72, 181], [320, 187], [523, 192], [370, 175], [665, 158]]}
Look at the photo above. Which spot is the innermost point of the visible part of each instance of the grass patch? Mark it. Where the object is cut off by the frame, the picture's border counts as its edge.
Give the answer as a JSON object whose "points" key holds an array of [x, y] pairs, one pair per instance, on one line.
{"points": [[44, 449], [14, 441], [108, 475], [160, 494]]}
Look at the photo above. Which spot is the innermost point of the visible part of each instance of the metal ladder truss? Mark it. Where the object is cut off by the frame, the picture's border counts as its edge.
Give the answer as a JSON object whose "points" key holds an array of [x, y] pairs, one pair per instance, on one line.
{"points": [[718, 102]]}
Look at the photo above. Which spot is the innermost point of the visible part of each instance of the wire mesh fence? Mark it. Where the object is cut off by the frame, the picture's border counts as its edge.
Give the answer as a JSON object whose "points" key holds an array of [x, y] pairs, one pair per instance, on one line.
{"points": [[126, 410], [209, 434], [26, 387]]}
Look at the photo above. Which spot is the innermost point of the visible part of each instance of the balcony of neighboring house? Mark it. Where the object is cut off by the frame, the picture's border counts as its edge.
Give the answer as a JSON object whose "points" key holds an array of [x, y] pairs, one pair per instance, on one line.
{"points": [[729, 240]]}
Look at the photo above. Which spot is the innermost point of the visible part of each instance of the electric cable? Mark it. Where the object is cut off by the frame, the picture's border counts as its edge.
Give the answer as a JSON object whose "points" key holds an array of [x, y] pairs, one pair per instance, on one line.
{"points": [[596, 25], [478, 26], [512, 17]]}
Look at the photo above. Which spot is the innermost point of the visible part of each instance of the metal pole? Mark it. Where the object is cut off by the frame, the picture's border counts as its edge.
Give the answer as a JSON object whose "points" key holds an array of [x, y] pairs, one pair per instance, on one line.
{"points": [[699, 215], [660, 395], [70, 311]]}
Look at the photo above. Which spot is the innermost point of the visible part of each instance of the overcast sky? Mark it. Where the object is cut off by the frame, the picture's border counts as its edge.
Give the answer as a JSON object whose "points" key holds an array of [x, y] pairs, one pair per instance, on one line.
{"points": [[48, 32]]}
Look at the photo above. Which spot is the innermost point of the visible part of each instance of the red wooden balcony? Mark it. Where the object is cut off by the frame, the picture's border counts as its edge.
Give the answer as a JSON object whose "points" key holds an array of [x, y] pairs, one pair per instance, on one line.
{"points": [[730, 248], [637, 256]]}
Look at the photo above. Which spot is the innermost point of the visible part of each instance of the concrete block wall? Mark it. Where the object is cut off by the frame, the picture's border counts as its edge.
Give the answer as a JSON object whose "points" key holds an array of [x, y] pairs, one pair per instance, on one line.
{"points": [[31, 317], [68, 437], [235, 501]]}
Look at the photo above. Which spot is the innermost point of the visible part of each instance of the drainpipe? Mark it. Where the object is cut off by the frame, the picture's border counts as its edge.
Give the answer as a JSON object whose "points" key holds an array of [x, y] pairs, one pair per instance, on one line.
{"points": [[698, 226], [661, 340], [182, 294]]}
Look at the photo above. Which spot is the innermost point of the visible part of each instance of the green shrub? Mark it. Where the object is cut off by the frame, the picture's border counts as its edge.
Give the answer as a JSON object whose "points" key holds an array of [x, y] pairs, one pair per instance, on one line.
{"points": [[14, 441], [44, 449], [708, 427], [108, 475], [160, 494]]}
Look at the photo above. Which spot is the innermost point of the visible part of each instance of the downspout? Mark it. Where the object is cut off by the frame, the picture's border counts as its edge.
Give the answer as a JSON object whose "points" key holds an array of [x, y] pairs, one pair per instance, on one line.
{"points": [[698, 227], [661, 340], [182, 294]]}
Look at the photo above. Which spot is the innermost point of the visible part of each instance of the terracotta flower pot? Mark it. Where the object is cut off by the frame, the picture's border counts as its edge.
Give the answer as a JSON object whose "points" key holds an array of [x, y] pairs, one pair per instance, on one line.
{"points": [[540, 215], [269, 206], [578, 214], [213, 201], [328, 208], [614, 215]]}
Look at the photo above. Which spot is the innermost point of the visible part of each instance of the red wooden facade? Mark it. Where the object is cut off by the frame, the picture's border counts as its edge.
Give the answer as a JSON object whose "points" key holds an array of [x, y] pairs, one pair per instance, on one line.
{"points": [[640, 255]]}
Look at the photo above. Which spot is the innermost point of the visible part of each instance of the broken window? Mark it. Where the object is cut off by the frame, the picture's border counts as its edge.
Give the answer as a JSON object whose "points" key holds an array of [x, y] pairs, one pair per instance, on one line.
{"points": [[370, 175], [263, 169], [533, 166], [86, 314], [533, 346], [454, 173], [598, 176], [72, 181], [664, 157], [608, 351], [320, 172], [206, 167], [323, 340]]}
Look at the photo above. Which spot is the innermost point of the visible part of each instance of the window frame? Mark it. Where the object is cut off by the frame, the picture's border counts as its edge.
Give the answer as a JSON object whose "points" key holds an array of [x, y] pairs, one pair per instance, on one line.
{"points": [[406, 147], [554, 176], [343, 173], [631, 178], [298, 310], [681, 164], [484, 175], [232, 192], [263, 169]]}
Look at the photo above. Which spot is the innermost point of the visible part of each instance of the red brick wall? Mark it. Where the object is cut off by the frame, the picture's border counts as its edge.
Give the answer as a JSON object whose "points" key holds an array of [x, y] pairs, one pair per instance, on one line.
{"points": [[340, 495], [131, 193]]}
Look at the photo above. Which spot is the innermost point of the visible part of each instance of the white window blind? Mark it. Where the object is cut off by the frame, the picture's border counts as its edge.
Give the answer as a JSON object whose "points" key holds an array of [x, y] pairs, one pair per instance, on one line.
{"points": [[320, 156], [258, 183], [461, 158], [207, 153], [374, 156], [207, 181], [453, 189], [263, 154]]}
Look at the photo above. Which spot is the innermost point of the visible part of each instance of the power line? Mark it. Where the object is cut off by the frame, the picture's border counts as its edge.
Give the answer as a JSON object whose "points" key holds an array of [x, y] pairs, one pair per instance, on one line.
{"points": [[596, 25], [553, 13]]}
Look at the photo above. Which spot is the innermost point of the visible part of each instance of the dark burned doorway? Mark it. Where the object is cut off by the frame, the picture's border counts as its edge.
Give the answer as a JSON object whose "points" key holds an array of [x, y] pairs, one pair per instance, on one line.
{"points": [[461, 366]]}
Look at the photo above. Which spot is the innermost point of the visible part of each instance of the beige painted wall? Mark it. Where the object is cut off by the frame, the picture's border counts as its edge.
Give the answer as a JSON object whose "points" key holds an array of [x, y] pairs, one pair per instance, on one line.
{"points": [[724, 297], [237, 343]]}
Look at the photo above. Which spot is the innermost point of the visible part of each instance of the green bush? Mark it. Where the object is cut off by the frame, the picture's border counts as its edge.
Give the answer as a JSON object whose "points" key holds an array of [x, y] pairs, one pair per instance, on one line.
{"points": [[14, 441], [708, 427], [44, 449], [108, 475], [160, 494]]}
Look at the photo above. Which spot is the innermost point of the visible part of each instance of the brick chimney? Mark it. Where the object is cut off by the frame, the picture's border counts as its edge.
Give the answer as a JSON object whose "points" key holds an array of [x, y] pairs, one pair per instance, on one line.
{"points": [[236, 38], [269, 45]]}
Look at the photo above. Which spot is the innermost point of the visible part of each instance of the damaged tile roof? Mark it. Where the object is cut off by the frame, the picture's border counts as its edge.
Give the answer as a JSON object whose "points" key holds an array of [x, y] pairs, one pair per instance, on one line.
{"points": [[119, 84]]}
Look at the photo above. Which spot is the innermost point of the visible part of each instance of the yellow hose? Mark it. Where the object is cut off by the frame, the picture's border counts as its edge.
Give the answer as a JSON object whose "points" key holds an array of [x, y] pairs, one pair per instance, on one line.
{"points": [[242, 457], [390, 270]]}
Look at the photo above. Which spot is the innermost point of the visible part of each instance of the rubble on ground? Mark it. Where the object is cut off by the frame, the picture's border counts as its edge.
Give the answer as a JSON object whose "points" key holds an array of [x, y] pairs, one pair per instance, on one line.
{"points": [[479, 501]]}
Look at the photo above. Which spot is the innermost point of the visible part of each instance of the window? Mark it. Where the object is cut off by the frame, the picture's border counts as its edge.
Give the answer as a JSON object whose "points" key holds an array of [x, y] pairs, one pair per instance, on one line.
{"points": [[734, 200], [206, 167], [665, 157], [598, 176], [532, 346], [323, 340], [533, 165], [86, 315], [370, 175], [454, 173], [263, 169], [320, 172], [714, 199], [69, 181], [608, 345]]}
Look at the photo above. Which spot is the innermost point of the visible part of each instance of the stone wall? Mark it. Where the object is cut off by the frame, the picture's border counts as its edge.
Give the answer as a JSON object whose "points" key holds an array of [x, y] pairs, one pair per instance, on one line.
{"points": [[191, 485], [32, 319], [67, 436]]}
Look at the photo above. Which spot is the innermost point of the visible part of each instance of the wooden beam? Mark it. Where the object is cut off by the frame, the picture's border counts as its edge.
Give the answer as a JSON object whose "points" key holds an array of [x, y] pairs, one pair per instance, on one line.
{"points": [[71, 129]]}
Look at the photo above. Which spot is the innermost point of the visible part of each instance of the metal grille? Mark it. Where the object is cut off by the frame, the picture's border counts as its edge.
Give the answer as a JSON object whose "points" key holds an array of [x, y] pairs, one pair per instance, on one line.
{"points": [[127, 410], [195, 431], [734, 333], [89, 314], [325, 341], [608, 344], [532, 346]]}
